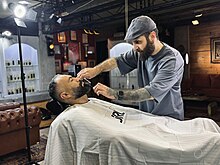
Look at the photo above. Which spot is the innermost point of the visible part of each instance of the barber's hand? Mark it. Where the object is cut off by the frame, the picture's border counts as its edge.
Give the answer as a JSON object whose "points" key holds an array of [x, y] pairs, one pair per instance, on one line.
{"points": [[87, 73], [101, 89]]}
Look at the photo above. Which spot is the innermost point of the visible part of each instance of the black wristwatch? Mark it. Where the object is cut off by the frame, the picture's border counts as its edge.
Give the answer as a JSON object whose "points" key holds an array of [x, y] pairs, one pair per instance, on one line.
{"points": [[120, 95]]}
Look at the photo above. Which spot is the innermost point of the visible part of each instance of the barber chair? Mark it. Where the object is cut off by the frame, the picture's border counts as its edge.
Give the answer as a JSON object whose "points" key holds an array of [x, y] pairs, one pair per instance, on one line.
{"points": [[56, 107]]}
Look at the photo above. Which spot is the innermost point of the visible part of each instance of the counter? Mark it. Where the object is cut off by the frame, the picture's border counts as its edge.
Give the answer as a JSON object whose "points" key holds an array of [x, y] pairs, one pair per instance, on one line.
{"points": [[30, 97]]}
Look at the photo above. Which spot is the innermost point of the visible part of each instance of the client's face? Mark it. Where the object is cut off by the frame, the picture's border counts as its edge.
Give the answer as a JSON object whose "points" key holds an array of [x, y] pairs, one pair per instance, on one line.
{"points": [[83, 88], [73, 86]]}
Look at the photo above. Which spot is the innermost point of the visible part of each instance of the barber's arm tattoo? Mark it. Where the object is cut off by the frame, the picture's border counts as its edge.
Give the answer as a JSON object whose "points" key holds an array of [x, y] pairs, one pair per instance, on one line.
{"points": [[113, 92], [132, 95], [107, 65]]}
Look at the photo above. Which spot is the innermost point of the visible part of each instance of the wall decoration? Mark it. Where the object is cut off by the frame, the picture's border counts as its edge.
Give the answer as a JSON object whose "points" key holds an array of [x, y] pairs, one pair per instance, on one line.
{"points": [[57, 49], [73, 36], [83, 64], [65, 52], [91, 50], [91, 63], [61, 37], [66, 66], [215, 50], [58, 66], [84, 38], [80, 53], [86, 50], [73, 54]]}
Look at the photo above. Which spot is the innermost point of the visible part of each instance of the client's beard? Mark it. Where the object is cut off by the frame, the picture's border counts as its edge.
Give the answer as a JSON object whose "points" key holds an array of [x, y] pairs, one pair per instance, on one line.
{"points": [[148, 50], [83, 88]]}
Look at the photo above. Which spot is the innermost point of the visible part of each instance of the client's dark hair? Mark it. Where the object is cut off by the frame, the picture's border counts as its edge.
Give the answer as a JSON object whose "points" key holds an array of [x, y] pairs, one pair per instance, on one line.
{"points": [[56, 105], [52, 89]]}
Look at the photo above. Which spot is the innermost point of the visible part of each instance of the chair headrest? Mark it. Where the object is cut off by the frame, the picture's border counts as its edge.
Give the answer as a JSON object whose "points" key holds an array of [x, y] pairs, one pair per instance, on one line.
{"points": [[56, 107]]}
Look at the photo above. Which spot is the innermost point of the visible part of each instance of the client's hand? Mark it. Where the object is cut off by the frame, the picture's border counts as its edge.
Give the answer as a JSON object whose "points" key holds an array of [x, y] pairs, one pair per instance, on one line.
{"points": [[101, 89], [87, 73]]}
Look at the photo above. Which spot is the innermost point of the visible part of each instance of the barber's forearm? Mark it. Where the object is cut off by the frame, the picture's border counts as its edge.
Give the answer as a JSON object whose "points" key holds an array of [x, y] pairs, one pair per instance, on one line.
{"points": [[107, 65], [132, 95]]}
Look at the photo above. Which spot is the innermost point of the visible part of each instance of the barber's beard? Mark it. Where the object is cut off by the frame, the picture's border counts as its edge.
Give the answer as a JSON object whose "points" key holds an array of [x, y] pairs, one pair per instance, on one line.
{"points": [[83, 89], [148, 50]]}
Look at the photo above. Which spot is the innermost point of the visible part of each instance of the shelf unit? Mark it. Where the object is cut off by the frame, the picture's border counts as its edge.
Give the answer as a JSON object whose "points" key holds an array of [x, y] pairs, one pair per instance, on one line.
{"points": [[11, 75], [118, 81]]}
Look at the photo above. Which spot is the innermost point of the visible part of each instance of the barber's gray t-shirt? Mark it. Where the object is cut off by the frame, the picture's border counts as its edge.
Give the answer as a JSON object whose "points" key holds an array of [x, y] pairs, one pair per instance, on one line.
{"points": [[161, 76]]}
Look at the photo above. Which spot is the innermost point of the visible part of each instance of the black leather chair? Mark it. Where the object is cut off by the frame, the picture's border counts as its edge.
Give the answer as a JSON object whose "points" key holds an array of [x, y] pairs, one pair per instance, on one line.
{"points": [[56, 107]]}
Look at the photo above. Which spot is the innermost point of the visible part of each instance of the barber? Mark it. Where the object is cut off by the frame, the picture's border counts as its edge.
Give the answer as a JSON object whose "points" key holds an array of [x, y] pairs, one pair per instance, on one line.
{"points": [[159, 68]]}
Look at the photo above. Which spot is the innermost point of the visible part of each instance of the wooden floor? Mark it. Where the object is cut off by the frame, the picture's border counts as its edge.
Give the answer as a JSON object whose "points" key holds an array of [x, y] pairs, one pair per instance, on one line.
{"points": [[46, 123]]}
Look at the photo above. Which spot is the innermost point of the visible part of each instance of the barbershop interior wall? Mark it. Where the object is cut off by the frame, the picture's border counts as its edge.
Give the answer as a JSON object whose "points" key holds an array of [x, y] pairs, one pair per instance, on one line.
{"points": [[181, 37], [46, 63], [196, 40], [200, 49]]}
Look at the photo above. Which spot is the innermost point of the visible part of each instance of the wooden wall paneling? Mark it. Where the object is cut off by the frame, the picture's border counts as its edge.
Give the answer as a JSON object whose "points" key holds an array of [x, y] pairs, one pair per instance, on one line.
{"points": [[200, 47], [200, 56], [204, 69], [200, 60]]}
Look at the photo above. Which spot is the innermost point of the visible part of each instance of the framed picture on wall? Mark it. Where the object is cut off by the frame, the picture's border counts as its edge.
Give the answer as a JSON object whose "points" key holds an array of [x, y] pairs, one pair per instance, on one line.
{"points": [[61, 37], [73, 54], [83, 64], [84, 38], [91, 50], [91, 63], [58, 66], [57, 49], [73, 35], [215, 50], [66, 66]]}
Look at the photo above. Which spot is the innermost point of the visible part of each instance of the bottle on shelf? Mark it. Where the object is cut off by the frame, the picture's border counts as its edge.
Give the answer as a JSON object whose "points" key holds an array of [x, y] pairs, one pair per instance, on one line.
{"points": [[13, 75]]}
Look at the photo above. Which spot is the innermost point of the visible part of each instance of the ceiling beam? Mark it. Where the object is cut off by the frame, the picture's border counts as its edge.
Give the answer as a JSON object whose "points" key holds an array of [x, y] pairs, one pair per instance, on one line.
{"points": [[110, 12]]}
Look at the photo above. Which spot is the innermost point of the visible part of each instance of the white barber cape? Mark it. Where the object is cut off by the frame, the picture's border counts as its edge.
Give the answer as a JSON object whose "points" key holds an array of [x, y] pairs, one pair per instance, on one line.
{"points": [[102, 133]]}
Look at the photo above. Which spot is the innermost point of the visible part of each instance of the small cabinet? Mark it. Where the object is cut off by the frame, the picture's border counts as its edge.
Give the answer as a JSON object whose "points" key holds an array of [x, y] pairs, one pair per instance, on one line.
{"points": [[12, 84], [118, 81]]}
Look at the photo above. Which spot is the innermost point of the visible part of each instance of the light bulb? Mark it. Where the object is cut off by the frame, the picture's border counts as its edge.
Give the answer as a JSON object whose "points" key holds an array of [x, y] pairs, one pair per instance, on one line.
{"points": [[20, 11]]}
